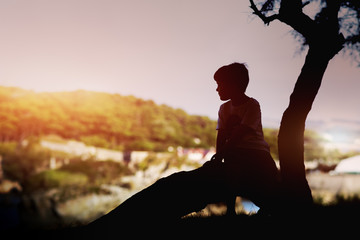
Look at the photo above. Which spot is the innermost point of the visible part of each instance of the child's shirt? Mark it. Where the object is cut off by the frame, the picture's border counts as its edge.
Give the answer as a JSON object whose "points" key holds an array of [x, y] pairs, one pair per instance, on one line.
{"points": [[248, 114]]}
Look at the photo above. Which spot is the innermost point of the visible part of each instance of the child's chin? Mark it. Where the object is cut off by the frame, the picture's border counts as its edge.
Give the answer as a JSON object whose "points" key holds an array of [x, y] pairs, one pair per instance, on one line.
{"points": [[224, 99]]}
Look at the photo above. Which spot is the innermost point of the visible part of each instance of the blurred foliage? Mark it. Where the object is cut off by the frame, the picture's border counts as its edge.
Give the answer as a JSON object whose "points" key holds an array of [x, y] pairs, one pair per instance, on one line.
{"points": [[101, 119], [270, 136], [21, 160], [312, 146], [148, 161], [97, 172], [77, 173], [313, 149], [55, 179], [170, 159], [335, 155], [29, 164]]}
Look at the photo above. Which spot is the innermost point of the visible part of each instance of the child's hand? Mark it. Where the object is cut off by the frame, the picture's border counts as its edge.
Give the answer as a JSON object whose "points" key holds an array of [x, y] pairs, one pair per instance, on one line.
{"points": [[215, 160], [217, 157]]}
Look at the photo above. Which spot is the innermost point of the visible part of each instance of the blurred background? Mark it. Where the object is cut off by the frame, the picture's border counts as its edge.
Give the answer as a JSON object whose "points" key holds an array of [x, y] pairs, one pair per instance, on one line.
{"points": [[99, 99]]}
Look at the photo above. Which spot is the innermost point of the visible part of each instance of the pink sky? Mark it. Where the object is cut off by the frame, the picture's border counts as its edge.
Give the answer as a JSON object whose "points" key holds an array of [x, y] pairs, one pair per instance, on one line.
{"points": [[164, 50]]}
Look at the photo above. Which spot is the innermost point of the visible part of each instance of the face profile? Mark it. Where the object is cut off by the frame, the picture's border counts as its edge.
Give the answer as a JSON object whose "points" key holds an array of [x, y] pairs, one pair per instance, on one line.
{"points": [[223, 91]]}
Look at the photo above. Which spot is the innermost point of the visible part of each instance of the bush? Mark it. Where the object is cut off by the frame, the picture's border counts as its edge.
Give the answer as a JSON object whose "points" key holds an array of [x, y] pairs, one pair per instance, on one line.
{"points": [[20, 161], [97, 172], [95, 140], [54, 179]]}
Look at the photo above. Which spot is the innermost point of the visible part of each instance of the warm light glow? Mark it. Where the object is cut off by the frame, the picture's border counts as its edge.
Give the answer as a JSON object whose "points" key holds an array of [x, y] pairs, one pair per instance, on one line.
{"points": [[153, 52]]}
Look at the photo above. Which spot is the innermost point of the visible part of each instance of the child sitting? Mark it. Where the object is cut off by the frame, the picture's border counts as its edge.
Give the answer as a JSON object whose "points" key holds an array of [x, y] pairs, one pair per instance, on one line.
{"points": [[240, 144]]}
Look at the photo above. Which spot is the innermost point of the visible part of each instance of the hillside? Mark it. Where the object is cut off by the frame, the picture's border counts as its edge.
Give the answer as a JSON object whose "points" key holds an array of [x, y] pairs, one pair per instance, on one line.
{"points": [[101, 119], [117, 122]]}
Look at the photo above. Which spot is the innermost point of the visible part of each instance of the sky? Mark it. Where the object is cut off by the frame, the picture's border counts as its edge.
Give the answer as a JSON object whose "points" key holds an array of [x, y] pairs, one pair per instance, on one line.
{"points": [[166, 51]]}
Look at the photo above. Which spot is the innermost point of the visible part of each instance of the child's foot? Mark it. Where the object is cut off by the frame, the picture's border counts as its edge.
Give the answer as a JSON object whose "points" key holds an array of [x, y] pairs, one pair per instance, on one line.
{"points": [[231, 212]]}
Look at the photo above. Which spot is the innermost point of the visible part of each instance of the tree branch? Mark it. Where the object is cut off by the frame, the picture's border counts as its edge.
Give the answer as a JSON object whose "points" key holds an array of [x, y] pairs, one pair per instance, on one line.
{"points": [[264, 18], [291, 13], [352, 39]]}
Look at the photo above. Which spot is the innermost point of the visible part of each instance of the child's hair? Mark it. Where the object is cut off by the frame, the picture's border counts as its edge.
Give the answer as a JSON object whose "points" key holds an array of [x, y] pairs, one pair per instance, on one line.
{"points": [[234, 73]]}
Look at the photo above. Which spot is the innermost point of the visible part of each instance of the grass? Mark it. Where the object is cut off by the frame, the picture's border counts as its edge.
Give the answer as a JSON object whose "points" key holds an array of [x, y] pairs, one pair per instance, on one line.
{"points": [[340, 219], [337, 219]]}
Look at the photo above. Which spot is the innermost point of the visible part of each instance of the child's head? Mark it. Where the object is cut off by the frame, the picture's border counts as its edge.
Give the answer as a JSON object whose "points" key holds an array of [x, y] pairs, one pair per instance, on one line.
{"points": [[234, 75]]}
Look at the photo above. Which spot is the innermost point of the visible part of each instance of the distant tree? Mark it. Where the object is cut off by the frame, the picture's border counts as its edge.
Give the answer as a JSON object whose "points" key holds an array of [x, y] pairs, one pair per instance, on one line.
{"points": [[20, 161], [335, 26], [100, 119]]}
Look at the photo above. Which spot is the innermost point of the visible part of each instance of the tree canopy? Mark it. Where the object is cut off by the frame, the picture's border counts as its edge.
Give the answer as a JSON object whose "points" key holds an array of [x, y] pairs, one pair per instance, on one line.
{"points": [[314, 19]]}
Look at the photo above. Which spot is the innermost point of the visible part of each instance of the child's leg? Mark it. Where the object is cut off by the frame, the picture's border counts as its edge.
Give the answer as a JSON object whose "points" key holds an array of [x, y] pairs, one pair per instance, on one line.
{"points": [[230, 205]]}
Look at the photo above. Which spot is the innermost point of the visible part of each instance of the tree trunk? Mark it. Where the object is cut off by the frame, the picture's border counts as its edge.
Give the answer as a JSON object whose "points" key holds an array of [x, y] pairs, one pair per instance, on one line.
{"points": [[291, 133]]}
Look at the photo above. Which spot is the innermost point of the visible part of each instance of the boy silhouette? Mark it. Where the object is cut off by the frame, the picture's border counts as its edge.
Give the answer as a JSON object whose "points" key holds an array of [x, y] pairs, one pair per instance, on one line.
{"points": [[240, 144]]}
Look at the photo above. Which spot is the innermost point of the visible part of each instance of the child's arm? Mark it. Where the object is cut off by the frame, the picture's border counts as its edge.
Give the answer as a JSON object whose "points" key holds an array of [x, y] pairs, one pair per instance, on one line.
{"points": [[225, 144]]}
